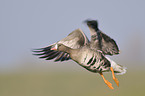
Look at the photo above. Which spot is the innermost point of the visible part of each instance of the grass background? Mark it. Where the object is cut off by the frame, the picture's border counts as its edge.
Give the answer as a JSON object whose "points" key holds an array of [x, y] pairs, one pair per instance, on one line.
{"points": [[70, 83]]}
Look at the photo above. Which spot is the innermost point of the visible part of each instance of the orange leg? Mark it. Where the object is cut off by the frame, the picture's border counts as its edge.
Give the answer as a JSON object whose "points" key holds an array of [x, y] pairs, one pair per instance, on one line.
{"points": [[107, 82], [114, 78]]}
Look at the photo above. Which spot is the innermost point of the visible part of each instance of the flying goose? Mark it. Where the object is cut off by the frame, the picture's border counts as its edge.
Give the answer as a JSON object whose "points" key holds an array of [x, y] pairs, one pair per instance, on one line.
{"points": [[99, 42], [91, 53]]}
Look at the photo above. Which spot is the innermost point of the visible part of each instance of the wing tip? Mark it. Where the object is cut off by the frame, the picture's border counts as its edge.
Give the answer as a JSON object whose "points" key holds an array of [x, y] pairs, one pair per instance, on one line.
{"points": [[92, 23]]}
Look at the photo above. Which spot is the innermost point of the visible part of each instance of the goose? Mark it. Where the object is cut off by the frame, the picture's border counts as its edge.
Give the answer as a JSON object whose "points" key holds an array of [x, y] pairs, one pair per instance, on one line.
{"points": [[88, 54], [99, 42]]}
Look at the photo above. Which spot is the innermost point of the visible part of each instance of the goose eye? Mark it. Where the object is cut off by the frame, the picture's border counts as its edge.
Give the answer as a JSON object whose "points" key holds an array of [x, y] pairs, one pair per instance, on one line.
{"points": [[59, 45]]}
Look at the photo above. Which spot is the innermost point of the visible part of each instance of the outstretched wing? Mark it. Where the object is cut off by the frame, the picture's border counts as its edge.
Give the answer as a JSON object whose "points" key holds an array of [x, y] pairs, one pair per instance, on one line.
{"points": [[109, 46], [101, 41], [74, 40]]}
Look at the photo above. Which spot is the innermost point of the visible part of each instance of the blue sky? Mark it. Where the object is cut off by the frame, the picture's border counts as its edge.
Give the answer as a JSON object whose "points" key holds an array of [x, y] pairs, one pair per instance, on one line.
{"points": [[28, 24]]}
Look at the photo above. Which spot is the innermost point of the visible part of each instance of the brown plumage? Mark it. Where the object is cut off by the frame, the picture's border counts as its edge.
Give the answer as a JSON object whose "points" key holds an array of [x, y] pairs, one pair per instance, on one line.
{"points": [[88, 54]]}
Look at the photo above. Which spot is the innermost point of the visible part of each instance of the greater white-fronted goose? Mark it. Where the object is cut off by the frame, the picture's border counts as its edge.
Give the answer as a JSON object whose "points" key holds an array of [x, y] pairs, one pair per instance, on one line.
{"points": [[89, 55], [99, 42]]}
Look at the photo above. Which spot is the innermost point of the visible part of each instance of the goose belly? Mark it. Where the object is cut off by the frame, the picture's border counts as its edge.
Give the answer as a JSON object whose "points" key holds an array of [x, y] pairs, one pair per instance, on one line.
{"points": [[94, 63]]}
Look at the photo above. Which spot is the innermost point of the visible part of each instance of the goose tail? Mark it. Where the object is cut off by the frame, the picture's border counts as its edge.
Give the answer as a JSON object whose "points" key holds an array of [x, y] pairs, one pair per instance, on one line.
{"points": [[118, 69]]}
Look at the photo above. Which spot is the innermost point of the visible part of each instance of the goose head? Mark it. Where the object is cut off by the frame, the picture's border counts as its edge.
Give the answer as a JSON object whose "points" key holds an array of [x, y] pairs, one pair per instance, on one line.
{"points": [[60, 47]]}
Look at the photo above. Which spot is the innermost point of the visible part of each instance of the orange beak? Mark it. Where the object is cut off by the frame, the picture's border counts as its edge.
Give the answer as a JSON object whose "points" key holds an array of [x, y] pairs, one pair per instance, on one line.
{"points": [[53, 48]]}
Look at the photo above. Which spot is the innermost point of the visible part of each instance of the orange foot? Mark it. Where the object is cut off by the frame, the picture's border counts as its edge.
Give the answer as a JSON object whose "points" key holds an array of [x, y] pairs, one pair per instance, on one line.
{"points": [[107, 82], [116, 81], [114, 78]]}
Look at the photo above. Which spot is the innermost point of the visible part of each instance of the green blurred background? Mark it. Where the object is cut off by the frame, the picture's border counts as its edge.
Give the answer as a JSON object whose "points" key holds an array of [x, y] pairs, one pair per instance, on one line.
{"points": [[28, 24], [70, 82]]}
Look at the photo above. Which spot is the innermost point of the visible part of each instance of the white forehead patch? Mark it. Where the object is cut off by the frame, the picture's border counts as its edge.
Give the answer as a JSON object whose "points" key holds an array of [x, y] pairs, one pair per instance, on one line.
{"points": [[56, 46]]}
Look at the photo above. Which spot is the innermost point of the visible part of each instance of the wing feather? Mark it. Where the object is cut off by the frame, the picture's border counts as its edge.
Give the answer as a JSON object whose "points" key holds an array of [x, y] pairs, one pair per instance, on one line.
{"points": [[74, 40], [101, 41]]}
